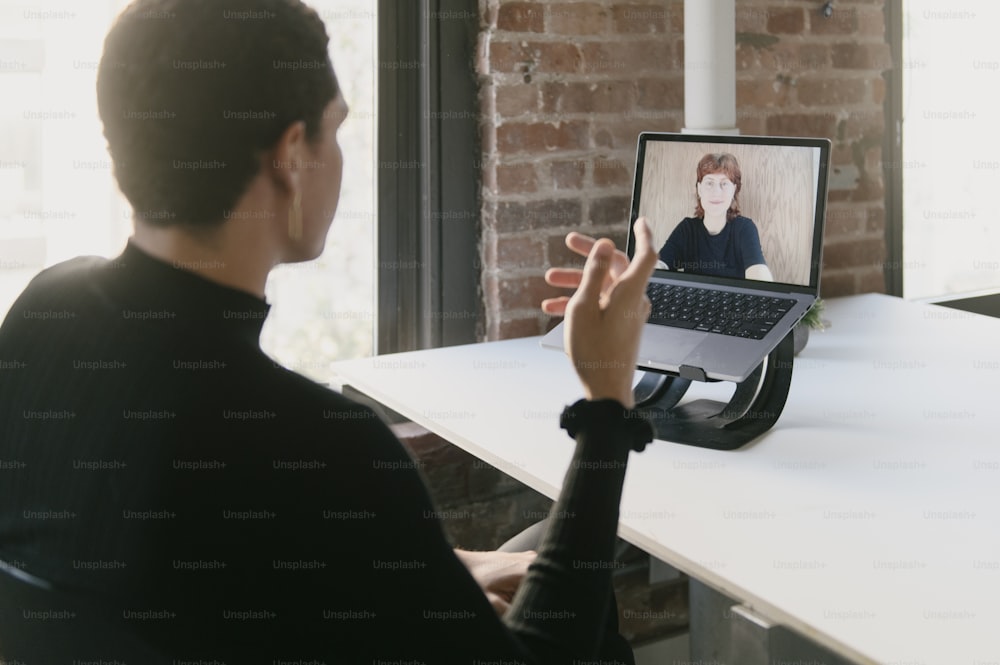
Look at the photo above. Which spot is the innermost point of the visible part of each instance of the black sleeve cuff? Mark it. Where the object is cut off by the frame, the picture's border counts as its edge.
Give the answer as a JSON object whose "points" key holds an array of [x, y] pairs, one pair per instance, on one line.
{"points": [[608, 414]]}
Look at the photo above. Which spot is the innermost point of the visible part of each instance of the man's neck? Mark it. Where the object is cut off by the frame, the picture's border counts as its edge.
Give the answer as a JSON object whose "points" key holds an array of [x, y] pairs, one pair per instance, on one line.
{"points": [[240, 261]]}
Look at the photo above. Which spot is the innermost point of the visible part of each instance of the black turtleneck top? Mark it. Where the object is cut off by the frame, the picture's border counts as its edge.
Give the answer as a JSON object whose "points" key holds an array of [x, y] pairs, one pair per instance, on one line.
{"points": [[156, 464]]}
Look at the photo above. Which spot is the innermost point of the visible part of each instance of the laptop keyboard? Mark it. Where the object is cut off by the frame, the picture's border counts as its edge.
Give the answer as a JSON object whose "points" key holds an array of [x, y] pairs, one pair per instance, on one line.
{"points": [[711, 310]]}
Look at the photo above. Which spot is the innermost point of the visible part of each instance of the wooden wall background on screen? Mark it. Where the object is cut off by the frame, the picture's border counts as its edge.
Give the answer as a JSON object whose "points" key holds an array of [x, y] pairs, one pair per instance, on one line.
{"points": [[778, 194]]}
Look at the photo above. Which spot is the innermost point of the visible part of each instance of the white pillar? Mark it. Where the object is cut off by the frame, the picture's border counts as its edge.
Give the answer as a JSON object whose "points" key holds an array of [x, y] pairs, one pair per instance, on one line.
{"points": [[710, 67]]}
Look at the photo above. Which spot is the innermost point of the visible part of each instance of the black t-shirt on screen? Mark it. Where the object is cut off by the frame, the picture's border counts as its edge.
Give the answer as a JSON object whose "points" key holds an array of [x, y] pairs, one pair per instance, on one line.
{"points": [[729, 253]]}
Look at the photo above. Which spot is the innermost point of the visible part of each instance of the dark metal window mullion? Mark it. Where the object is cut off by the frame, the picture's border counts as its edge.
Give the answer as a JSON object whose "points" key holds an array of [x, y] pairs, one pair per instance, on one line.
{"points": [[428, 176]]}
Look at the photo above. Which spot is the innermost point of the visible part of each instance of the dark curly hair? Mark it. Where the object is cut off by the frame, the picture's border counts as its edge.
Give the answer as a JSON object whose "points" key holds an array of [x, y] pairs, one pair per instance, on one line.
{"points": [[192, 92]]}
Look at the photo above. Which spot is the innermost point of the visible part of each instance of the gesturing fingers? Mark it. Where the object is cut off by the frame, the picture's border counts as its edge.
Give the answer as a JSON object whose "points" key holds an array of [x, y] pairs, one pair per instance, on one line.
{"points": [[595, 275], [582, 244], [606, 269], [566, 278], [635, 278], [555, 306]]}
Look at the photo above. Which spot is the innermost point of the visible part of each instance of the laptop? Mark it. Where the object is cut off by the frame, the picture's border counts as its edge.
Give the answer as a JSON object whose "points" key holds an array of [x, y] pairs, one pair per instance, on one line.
{"points": [[738, 225]]}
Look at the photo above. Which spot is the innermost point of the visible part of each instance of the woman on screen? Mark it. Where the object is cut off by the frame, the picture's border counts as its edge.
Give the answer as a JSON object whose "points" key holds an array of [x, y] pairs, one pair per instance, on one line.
{"points": [[717, 240]]}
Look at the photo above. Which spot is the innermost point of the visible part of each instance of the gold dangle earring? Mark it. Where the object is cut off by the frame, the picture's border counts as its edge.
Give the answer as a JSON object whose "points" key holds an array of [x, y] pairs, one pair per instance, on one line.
{"points": [[295, 217]]}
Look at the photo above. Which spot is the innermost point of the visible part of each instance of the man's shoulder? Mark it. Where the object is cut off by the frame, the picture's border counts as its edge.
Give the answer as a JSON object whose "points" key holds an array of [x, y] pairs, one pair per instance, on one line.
{"points": [[57, 292], [62, 282], [69, 272]]}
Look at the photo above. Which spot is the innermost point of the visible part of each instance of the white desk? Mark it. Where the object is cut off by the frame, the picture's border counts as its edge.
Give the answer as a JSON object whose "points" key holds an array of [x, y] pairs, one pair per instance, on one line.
{"points": [[868, 519]]}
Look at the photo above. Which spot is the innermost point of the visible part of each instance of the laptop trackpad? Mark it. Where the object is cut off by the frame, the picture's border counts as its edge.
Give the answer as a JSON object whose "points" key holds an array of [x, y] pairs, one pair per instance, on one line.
{"points": [[667, 346]]}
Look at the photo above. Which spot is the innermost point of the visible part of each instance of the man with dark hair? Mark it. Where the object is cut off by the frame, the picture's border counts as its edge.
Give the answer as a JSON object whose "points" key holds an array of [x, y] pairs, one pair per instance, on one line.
{"points": [[181, 490], [193, 94]]}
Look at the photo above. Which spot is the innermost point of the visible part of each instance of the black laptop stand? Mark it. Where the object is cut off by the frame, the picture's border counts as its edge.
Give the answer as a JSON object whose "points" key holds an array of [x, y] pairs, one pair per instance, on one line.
{"points": [[753, 409]]}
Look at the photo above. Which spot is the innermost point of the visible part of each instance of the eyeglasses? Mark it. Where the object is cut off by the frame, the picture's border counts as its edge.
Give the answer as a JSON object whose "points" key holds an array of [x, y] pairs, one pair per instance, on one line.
{"points": [[722, 185]]}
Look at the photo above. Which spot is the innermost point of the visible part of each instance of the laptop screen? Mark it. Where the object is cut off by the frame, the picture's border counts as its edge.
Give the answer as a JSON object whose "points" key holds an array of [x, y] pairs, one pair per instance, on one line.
{"points": [[730, 208]]}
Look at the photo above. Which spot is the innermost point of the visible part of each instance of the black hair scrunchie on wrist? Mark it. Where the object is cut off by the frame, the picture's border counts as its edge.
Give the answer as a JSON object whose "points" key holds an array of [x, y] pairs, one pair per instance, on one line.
{"points": [[582, 413]]}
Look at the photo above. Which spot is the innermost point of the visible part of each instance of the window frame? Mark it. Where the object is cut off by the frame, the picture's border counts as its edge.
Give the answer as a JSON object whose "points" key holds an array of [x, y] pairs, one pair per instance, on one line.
{"points": [[427, 116], [893, 149]]}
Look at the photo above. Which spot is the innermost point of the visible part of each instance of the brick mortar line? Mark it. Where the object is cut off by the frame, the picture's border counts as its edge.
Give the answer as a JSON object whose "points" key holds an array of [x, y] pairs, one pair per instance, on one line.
{"points": [[618, 116], [797, 80], [537, 80], [603, 74], [537, 271], [562, 230], [676, 6], [848, 74], [529, 272], [848, 271], [555, 195], [549, 37], [582, 222], [531, 234], [827, 109], [516, 79], [843, 239], [619, 151], [558, 117], [582, 79], [604, 122], [563, 195], [568, 154], [543, 236], [821, 38], [844, 114], [519, 199], [501, 271], [522, 313], [592, 193], [825, 41], [650, 108]]}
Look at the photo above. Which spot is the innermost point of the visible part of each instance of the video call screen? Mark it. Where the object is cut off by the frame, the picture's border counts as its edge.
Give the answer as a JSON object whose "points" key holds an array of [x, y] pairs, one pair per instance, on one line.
{"points": [[762, 226]]}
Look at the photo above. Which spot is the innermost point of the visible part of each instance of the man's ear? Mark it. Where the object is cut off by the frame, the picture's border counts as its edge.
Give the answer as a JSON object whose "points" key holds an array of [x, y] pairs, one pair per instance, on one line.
{"points": [[287, 156]]}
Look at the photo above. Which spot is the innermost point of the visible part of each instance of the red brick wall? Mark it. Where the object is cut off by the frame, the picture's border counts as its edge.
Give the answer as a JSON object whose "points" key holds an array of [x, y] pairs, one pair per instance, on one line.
{"points": [[567, 86]]}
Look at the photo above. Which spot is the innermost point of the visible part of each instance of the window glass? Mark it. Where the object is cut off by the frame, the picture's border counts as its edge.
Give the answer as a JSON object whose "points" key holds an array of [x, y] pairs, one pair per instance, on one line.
{"points": [[58, 198], [951, 148]]}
